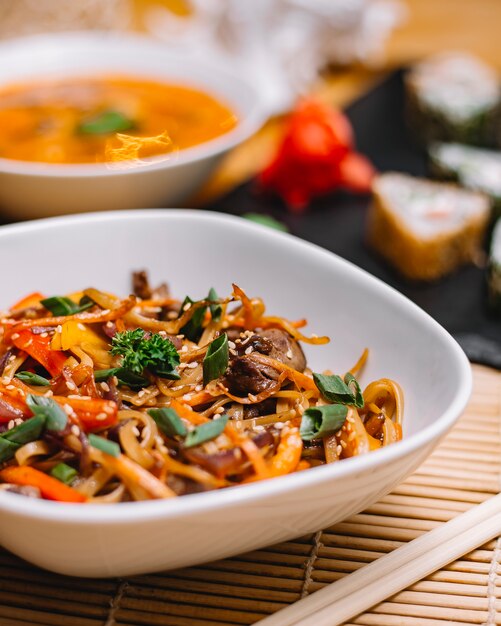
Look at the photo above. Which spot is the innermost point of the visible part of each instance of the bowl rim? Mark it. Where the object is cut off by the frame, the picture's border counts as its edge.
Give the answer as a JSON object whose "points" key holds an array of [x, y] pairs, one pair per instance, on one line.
{"points": [[249, 124], [130, 512]]}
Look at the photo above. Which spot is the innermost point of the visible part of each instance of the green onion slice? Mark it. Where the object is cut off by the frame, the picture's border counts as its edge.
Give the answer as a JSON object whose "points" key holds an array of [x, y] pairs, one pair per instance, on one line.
{"points": [[60, 305], [64, 473], [216, 310], [105, 445], [335, 389], [169, 422], [48, 409], [320, 421], [205, 432], [194, 327], [32, 379], [13, 439], [216, 359], [124, 377]]}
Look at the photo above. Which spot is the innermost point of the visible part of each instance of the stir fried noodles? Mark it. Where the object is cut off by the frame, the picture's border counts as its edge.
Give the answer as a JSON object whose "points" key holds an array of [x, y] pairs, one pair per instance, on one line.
{"points": [[104, 399]]}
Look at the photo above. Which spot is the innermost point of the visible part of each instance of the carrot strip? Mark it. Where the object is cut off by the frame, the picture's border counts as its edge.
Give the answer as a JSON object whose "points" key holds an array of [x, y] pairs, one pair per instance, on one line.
{"points": [[268, 322], [360, 363], [288, 453], [183, 410], [50, 488], [252, 452], [240, 294], [300, 379], [202, 397], [107, 315]]}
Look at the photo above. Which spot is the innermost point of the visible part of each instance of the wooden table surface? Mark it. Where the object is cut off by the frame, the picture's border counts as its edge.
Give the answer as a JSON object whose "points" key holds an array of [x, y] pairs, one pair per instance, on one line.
{"points": [[430, 26]]}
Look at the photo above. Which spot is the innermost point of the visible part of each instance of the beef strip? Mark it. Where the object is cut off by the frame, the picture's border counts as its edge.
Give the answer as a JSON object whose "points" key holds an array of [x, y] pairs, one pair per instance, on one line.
{"points": [[284, 348], [140, 285], [245, 376]]}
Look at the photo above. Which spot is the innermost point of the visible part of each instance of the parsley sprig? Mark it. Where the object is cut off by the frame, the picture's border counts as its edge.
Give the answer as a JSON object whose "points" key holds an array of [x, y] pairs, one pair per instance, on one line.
{"points": [[140, 352]]}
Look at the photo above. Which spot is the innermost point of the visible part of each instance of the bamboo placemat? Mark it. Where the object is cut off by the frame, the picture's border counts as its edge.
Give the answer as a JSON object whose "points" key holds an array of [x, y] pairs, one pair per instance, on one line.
{"points": [[462, 472]]}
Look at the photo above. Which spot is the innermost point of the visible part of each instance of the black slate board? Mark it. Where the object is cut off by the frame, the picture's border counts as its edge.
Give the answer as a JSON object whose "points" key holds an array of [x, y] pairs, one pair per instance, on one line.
{"points": [[336, 223]]}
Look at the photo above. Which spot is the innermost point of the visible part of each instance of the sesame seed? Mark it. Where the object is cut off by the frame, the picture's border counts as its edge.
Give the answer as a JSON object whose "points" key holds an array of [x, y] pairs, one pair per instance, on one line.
{"points": [[249, 350], [184, 349], [49, 393], [187, 306], [109, 324], [11, 387], [162, 333], [68, 409], [219, 410], [187, 396], [339, 449], [259, 428], [59, 329], [135, 431], [10, 425], [141, 393], [13, 356], [75, 430], [105, 387], [109, 408], [44, 335], [180, 336], [289, 354], [81, 326], [233, 352], [343, 443], [101, 416], [15, 336], [199, 388], [192, 365], [231, 344], [71, 386]]}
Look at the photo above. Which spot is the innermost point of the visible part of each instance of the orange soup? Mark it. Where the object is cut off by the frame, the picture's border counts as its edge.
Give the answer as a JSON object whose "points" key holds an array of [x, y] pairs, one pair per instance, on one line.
{"points": [[95, 120]]}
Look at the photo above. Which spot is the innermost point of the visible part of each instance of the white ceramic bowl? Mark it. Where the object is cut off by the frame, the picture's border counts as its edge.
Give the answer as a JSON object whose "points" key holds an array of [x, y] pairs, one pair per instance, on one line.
{"points": [[29, 189], [195, 250]]}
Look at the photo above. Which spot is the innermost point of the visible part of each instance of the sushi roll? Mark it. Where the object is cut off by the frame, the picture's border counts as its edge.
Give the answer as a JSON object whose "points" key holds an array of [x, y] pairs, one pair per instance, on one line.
{"points": [[453, 97], [425, 229], [473, 168], [494, 271]]}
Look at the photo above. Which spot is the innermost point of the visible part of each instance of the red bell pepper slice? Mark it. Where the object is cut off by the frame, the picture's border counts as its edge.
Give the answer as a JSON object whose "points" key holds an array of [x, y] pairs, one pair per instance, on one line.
{"points": [[39, 348]]}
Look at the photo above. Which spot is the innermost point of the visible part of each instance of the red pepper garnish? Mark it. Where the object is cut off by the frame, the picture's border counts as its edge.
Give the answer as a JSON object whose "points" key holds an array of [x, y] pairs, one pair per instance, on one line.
{"points": [[316, 156]]}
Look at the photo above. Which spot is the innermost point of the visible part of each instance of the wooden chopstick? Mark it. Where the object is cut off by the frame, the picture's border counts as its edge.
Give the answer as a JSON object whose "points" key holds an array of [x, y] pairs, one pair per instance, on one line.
{"points": [[384, 577]]}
